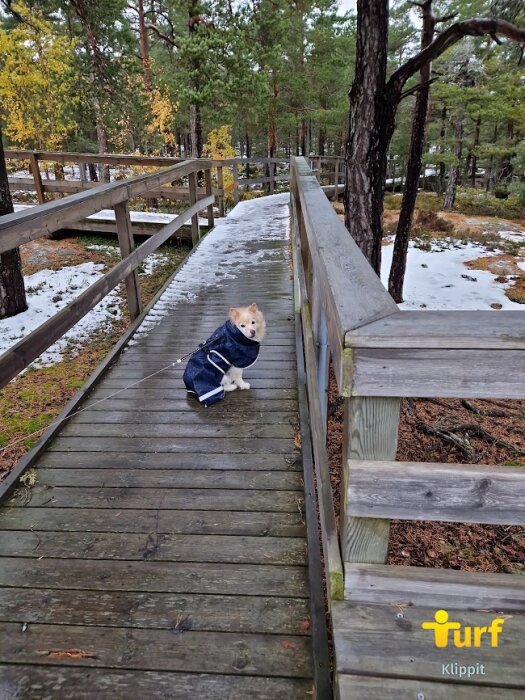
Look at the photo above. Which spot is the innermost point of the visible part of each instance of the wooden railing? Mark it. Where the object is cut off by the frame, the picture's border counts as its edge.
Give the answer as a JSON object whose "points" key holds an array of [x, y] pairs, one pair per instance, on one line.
{"points": [[330, 172], [21, 227], [245, 173], [380, 354]]}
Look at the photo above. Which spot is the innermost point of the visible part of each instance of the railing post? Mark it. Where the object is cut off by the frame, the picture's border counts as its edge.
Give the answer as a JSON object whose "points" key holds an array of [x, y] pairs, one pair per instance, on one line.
{"points": [[127, 245], [235, 169], [318, 169], [37, 177], [195, 231], [82, 171], [370, 432], [271, 171], [323, 365], [207, 177], [336, 180], [220, 187]]}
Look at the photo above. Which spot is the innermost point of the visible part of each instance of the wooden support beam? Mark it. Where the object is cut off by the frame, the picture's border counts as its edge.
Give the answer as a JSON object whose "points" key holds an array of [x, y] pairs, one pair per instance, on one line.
{"points": [[37, 177], [195, 231], [127, 245], [207, 177], [235, 169], [220, 187], [370, 432], [336, 181]]}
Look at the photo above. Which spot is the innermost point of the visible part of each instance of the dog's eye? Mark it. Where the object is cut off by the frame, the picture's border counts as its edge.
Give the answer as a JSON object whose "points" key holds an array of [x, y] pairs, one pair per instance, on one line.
{"points": [[243, 325], [253, 323]]}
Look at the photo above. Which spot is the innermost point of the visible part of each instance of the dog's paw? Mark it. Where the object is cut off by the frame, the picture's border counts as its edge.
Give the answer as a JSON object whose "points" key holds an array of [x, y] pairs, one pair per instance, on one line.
{"points": [[244, 385], [229, 387]]}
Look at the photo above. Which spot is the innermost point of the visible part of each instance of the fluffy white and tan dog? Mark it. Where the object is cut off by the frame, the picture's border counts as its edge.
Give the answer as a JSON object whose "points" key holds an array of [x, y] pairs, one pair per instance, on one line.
{"points": [[218, 365]]}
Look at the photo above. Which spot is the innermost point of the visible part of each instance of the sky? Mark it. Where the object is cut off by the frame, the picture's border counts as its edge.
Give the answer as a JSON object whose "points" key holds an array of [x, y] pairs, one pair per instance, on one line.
{"points": [[346, 5]]}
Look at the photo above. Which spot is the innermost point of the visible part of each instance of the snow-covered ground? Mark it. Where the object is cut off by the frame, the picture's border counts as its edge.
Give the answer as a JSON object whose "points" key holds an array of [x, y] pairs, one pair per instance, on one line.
{"points": [[137, 217], [439, 278], [48, 291]]}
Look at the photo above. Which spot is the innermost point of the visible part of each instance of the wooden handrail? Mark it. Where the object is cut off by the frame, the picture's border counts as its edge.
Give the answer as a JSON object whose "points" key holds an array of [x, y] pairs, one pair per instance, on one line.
{"points": [[381, 354], [31, 224]]}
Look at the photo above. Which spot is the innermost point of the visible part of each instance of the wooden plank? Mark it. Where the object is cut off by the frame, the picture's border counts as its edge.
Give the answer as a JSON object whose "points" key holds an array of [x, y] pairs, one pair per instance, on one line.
{"points": [[174, 577], [353, 687], [473, 330], [253, 614], [29, 348], [154, 547], [207, 178], [173, 478], [164, 499], [162, 650], [192, 460], [411, 651], [127, 245], [450, 492], [237, 398], [235, 171], [35, 682], [456, 590], [194, 522], [210, 446], [218, 429], [370, 432], [265, 417], [446, 373]]}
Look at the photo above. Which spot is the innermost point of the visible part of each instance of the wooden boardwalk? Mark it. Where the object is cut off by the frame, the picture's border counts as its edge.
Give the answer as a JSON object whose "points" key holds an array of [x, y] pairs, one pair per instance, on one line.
{"points": [[162, 551]]}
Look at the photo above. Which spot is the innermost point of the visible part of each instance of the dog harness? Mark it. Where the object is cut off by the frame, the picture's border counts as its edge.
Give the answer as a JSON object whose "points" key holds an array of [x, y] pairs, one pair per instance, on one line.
{"points": [[226, 347]]}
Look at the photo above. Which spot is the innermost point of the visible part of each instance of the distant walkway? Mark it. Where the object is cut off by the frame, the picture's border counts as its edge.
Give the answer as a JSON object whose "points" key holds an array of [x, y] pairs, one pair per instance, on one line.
{"points": [[162, 551]]}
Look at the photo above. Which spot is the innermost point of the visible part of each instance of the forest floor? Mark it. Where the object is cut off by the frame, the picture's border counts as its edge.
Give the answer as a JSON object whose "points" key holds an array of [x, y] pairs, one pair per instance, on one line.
{"points": [[455, 261], [55, 272]]}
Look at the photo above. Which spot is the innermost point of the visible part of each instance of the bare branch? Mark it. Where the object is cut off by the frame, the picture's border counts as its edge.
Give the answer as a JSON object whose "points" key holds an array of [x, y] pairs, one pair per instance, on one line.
{"points": [[162, 36], [445, 18], [449, 37], [417, 87]]}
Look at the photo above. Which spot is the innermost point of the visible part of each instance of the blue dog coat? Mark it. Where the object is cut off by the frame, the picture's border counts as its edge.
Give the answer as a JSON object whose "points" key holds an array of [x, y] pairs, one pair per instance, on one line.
{"points": [[226, 347]]}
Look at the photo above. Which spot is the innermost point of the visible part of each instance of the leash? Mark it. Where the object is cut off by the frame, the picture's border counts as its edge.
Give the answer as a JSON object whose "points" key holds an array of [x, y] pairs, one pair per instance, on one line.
{"points": [[96, 403]]}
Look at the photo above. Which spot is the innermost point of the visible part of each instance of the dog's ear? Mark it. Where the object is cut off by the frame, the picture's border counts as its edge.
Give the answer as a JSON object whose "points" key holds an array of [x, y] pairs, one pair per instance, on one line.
{"points": [[234, 314], [252, 307]]}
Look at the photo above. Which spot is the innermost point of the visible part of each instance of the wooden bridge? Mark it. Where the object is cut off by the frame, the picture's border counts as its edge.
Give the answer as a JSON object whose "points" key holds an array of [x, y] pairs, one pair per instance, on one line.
{"points": [[168, 550]]}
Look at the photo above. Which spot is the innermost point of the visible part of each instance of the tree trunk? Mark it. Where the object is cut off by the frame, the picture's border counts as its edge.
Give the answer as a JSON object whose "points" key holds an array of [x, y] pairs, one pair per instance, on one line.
{"points": [[453, 174], [442, 135], [474, 152], [419, 119], [195, 112], [505, 174], [322, 141], [144, 48], [369, 134], [303, 137], [102, 139], [12, 289]]}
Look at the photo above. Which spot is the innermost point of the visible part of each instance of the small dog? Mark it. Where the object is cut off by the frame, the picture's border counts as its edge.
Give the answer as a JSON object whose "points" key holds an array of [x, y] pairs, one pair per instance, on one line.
{"points": [[217, 366]]}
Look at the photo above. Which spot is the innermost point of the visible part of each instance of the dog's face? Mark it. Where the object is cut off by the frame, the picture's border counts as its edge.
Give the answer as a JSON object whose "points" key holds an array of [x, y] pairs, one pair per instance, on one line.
{"points": [[250, 321]]}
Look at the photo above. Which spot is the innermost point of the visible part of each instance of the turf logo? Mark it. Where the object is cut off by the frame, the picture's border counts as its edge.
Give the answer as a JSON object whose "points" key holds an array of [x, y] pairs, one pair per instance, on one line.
{"points": [[462, 635]]}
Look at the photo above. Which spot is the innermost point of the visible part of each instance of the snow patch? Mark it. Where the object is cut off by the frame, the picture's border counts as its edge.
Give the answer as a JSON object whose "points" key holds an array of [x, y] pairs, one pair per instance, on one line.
{"points": [[49, 291], [438, 279]]}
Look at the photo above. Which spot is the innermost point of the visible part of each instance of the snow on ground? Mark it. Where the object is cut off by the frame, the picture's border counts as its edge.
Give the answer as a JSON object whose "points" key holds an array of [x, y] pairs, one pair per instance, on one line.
{"points": [[47, 292], [137, 217], [220, 254], [146, 268], [511, 235], [439, 279]]}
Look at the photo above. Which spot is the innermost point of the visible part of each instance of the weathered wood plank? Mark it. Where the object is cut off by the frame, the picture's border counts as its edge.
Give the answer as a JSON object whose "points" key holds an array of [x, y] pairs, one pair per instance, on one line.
{"points": [[151, 430], [237, 397], [176, 445], [172, 478], [446, 373], [244, 403], [196, 522], [174, 577], [36, 682], [252, 614], [192, 460], [353, 687], [411, 651], [474, 330], [370, 432], [163, 499], [183, 418], [152, 546], [459, 590], [450, 492], [162, 650]]}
